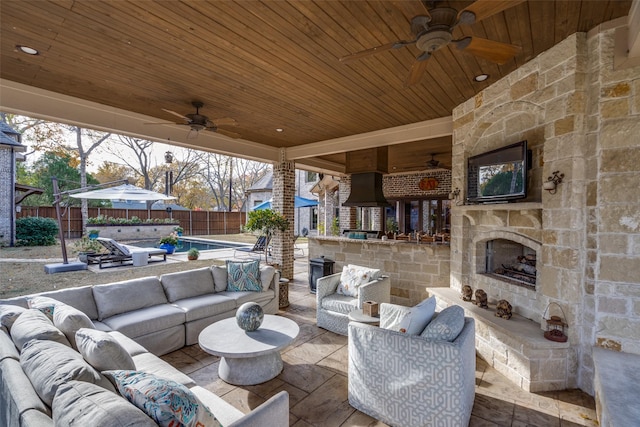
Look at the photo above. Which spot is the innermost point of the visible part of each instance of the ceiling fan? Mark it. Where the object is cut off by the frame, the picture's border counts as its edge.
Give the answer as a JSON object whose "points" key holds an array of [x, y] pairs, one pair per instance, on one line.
{"points": [[198, 122], [433, 31], [433, 163]]}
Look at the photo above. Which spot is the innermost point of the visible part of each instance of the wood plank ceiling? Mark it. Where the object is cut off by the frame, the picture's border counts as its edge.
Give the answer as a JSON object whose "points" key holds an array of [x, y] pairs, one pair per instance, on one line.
{"points": [[273, 64]]}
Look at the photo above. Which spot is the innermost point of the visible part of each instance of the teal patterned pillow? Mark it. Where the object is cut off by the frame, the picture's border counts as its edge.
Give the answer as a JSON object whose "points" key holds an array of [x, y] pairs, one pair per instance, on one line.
{"points": [[243, 276], [167, 402]]}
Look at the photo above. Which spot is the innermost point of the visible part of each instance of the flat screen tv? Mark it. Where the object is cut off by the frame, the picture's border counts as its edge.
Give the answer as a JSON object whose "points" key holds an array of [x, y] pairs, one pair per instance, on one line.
{"points": [[499, 175]]}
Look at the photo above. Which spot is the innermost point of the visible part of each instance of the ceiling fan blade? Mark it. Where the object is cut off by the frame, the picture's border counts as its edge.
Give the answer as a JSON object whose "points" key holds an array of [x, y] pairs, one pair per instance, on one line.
{"points": [[377, 49], [227, 133], [490, 50], [163, 123], [417, 69], [225, 121], [176, 114], [481, 9]]}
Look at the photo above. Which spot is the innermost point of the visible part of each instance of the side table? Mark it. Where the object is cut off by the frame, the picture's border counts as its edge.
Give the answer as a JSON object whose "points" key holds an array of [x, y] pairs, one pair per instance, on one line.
{"points": [[283, 298], [359, 316]]}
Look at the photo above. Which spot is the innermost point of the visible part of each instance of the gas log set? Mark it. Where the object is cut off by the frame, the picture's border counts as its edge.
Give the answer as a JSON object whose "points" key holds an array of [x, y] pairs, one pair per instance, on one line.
{"points": [[523, 270]]}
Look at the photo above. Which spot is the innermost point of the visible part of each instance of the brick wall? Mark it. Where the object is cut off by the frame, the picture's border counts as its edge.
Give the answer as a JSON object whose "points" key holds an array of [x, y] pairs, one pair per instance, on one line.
{"points": [[6, 195]]}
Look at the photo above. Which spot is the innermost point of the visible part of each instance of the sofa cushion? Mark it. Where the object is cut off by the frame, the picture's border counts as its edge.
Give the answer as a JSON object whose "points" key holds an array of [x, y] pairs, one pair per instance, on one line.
{"points": [[243, 276], [9, 314], [219, 277], [166, 402], [418, 317], [205, 306], [49, 364], [102, 351], [266, 276], [187, 284], [241, 297], [354, 276], [7, 347], [78, 403], [80, 298], [33, 324], [151, 364], [146, 320], [339, 303], [446, 326], [124, 297], [45, 304], [69, 320], [132, 347]]}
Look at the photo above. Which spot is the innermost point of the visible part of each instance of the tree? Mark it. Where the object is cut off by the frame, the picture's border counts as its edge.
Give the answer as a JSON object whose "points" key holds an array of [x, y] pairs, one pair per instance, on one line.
{"points": [[39, 135], [268, 222], [110, 172]]}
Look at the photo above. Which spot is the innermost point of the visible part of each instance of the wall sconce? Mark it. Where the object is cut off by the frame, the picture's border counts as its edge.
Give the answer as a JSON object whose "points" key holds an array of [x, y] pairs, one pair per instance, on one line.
{"points": [[552, 182], [454, 194]]}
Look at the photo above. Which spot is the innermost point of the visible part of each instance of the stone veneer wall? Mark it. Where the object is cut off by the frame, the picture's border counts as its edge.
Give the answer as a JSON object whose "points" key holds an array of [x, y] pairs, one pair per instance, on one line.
{"points": [[582, 118], [7, 175]]}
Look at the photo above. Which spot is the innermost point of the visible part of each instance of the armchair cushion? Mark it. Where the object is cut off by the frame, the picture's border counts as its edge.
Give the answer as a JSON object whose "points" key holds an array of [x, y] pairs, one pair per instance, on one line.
{"points": [[419, 317], [446, 326], [340, 303], [353, 276]]}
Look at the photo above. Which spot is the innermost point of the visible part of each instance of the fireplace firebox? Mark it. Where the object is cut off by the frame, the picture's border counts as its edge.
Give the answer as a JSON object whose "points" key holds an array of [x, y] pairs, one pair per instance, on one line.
{"points": [[511, 262]]}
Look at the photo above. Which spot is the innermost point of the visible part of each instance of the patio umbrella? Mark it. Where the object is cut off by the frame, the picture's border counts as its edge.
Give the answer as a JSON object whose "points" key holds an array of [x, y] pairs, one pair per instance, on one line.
{"points": [[122, 192], [299, 202]]}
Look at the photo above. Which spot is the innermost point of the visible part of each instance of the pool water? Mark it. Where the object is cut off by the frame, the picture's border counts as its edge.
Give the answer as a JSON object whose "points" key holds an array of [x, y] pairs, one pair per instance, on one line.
{"points": [[185, 244]]}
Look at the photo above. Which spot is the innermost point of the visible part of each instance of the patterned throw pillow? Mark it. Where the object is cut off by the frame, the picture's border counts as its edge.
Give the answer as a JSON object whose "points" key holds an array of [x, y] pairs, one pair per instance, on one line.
{"points": [[353, 276], [243, 276], [446, 326], [44, 304], [167, 402]]}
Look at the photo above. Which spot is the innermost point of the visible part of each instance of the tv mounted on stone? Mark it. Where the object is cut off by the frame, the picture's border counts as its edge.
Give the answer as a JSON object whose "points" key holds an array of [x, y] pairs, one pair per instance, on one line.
{"points": [[500, 175]]}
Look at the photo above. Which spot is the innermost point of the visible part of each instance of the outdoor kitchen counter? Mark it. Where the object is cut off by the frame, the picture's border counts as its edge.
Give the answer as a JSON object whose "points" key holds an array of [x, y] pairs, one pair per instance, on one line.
{"points": [[410, 266]]}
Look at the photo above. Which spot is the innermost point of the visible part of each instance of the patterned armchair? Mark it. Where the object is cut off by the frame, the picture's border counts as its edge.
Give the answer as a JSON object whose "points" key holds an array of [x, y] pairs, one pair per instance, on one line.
{"points": [[333, 308], [410, 381]]}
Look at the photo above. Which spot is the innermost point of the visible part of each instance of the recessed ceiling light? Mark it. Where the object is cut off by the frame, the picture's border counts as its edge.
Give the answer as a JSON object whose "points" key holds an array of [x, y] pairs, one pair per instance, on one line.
{"points": [[279, 130], [26, 49], [481, 77]]}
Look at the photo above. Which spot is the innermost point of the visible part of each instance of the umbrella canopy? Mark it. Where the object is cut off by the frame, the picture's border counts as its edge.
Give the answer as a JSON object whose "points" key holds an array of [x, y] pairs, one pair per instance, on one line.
{"points": [[299, 202], [122, 192]]}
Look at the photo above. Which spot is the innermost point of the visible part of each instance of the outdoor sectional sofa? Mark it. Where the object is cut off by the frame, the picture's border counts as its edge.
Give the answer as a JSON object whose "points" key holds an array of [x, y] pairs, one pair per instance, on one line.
{"points": [[149, 317]]}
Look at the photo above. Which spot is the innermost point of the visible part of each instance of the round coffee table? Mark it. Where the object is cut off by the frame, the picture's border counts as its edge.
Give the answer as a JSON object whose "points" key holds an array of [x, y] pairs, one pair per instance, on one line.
{"points": [[249, 358]]}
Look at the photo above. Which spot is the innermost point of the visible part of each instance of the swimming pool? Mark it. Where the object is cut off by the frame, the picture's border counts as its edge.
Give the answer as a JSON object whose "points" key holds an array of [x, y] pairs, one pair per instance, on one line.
{"points": [[184, 244]]}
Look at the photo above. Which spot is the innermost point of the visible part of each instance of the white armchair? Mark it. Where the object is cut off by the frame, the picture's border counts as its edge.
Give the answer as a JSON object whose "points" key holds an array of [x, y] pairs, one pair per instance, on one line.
{"points": [[332, 308], [408, 380]]}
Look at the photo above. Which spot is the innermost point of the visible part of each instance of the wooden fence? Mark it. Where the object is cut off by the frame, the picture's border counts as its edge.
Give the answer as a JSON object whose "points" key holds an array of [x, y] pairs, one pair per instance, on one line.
{"points": [[194, 223]]}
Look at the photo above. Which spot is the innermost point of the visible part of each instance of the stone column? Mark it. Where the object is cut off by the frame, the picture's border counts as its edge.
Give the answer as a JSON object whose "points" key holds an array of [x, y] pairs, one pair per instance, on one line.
{"points": [[284, 185], [347, 213]]}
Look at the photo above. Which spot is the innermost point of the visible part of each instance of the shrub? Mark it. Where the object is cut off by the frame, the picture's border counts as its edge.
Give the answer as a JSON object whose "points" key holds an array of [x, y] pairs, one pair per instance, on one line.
{"points": [[36, 231]]}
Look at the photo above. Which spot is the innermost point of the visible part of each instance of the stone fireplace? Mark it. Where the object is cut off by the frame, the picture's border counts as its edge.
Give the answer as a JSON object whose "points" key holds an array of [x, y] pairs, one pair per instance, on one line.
{"points": [[511, 262]]}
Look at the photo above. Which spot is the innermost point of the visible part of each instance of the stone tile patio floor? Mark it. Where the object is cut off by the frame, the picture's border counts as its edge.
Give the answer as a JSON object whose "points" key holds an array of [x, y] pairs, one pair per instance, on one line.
{"points": [[315, 375]]}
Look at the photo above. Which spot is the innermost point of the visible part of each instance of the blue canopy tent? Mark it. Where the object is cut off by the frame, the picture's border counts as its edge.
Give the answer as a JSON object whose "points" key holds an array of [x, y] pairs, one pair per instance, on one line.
{"points": [[300, 202]]}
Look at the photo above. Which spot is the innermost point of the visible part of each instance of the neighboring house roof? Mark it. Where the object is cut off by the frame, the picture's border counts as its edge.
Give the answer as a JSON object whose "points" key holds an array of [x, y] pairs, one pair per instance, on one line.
{"points": [[265, 183], [6, 139]]}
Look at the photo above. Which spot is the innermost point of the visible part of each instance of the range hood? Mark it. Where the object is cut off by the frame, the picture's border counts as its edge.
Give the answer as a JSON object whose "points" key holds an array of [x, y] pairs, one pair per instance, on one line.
{"points": [[366, 191]]}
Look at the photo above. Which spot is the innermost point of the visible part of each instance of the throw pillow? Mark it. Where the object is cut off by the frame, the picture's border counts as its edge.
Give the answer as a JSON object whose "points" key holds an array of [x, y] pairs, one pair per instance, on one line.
{"points": [[167, 402], [9, 314], [446, 326], [80, 404], [219, 278], [44, 304], [69, 320], [353, 276], [418, 317], [34, 325], [102, 351], [266, 276], [50, 364], [243, 276]]}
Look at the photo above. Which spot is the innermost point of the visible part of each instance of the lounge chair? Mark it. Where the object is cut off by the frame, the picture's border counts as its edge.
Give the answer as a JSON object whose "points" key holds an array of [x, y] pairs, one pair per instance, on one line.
{"points": [[258, 247], [120, 254]]}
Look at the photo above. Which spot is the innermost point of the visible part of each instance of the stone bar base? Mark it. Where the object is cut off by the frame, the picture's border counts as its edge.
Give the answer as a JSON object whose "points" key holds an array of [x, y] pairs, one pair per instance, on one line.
{"points": [[516, 347]]}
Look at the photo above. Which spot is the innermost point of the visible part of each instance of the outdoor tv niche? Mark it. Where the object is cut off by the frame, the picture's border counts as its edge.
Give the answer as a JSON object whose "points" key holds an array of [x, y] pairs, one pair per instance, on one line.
{"points": [[499, 175]]}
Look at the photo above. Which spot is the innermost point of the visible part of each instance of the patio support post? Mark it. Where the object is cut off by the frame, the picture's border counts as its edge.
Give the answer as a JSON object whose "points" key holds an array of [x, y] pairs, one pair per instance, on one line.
{"points": [[283, 201]]}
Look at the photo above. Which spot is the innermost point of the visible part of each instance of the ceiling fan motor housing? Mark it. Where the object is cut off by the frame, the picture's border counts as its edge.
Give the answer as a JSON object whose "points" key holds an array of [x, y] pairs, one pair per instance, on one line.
{"points": [[438, 30]]}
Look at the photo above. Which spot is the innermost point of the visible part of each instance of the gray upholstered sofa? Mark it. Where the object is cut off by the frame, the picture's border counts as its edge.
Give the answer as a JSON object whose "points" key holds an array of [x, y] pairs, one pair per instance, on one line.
{"points": [[148, 317], [412, 380]]}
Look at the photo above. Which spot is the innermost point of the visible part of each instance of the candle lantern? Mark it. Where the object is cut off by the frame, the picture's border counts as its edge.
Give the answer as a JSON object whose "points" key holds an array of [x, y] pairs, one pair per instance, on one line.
{"points": [[555, 328]]}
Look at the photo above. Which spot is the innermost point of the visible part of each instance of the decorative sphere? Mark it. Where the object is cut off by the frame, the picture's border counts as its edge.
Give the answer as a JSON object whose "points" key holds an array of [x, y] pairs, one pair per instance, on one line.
{"points": [[250, 316]]}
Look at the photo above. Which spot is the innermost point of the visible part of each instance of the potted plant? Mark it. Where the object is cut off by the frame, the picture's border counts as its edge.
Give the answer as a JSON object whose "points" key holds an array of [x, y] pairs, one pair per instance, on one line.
{"points": [[179, 230], [193, 254], [93, 234], [85, 247], [266, 221], [168, 243]]}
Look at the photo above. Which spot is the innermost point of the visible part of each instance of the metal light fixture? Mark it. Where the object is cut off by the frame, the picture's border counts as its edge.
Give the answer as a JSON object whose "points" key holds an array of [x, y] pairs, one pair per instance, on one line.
{"points": [[168, 174], [552, 182], [555, 325], [454, 194]]}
